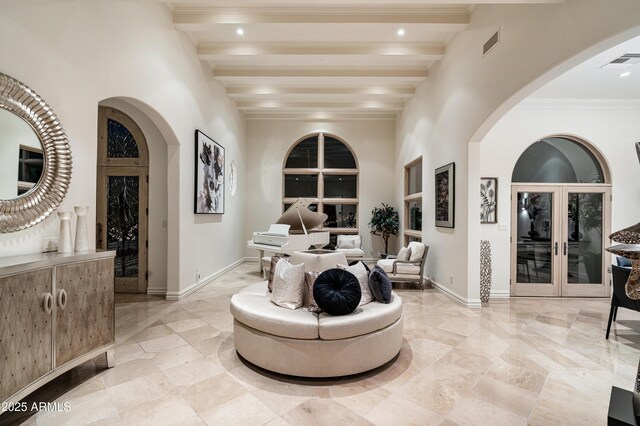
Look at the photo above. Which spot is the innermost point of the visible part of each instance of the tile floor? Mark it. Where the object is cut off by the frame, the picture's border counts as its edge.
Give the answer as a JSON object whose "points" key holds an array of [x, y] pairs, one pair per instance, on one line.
{"points": [[517, 362]]}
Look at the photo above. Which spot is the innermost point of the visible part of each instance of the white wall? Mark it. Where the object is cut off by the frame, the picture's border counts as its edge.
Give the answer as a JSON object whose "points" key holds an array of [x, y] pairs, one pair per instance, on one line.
{"points": [[611, 126], [75, 54], [468, 93], [267, 145]]}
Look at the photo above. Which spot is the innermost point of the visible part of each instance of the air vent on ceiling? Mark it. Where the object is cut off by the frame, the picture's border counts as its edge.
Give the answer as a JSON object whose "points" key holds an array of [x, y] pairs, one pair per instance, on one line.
{"points": [[625, 61], [490, 44]]}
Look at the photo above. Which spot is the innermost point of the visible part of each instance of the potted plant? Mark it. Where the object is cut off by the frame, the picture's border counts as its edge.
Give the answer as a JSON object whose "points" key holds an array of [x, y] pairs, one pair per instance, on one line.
{"points": [[385, 223]]}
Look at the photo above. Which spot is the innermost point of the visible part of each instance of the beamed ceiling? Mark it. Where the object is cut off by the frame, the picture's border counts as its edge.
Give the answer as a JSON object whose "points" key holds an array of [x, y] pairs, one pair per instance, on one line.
{"points": [[310, 59]]}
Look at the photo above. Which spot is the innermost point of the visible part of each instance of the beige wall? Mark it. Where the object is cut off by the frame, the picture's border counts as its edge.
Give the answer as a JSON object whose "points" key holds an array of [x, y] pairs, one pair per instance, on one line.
{"points": [[267, 145], [468, 93], [77, 53], [611, 126]]}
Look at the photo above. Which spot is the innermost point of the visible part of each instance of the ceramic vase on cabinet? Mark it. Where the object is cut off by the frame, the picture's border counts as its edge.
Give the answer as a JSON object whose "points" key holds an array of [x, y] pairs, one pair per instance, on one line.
{"points": [[82, 237], [65, 243]]}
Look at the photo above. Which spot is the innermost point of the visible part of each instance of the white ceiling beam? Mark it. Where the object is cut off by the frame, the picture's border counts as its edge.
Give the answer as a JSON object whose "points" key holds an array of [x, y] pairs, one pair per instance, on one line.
{"points": [[204, 19], [316, 105], [328, 92], [217, 52], [320, 116], [392, 4], [320, 74]]}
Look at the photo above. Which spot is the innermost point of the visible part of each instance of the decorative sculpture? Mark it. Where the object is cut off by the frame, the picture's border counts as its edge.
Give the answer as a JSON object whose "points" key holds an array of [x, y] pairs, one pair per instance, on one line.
{"points": [[485, 271], [629, 247]]}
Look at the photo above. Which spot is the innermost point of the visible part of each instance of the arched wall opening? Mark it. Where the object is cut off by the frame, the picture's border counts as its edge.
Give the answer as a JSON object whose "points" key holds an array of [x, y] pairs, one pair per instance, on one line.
{"points": [[607, 127], [163, 230]]}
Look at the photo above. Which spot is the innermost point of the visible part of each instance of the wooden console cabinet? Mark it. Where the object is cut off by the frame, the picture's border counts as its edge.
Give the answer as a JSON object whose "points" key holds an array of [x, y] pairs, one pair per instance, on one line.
{"points": [[56, 312]]}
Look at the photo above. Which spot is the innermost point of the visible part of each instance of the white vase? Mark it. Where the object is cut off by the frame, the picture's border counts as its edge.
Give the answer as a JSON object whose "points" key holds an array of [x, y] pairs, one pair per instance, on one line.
{"points": [[82, 237], [65, 244]]}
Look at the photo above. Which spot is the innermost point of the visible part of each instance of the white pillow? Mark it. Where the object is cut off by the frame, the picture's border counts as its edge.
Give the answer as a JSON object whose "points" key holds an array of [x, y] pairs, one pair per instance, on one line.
{"points": [[404, 253], [417, 250], [363, 278], [288, 285], [347, 242]]}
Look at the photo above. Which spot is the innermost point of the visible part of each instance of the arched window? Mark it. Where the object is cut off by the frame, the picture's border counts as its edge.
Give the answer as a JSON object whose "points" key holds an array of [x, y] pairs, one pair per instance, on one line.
{"points": [[558, 160], [323, 168]]}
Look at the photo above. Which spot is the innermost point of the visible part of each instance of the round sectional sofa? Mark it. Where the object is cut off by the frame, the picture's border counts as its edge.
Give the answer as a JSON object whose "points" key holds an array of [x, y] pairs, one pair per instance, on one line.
{"points": [[306, 344]]}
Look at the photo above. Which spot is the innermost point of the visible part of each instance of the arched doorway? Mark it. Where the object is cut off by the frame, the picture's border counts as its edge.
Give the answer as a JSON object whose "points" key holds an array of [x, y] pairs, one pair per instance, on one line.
{"points": [[560, 217], [122, 198]]}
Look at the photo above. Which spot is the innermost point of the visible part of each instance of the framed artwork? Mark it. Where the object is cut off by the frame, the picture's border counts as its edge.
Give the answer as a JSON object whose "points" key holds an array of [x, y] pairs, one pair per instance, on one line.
{"points": [[488, 200], [445, 195], [209, 179]]}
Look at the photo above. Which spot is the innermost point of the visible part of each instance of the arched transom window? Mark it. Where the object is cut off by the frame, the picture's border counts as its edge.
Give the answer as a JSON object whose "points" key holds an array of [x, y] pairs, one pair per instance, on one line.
{"points": [[321, 167]]}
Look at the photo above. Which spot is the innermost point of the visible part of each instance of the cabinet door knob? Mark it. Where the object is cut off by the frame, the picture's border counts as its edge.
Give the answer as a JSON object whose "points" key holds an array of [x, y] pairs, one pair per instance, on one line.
{"points": [[62, 298], [47, 303]]}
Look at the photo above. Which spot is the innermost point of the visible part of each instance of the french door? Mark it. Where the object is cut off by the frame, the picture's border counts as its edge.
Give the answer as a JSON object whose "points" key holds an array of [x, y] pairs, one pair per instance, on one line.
{"points": [[557, 240]]}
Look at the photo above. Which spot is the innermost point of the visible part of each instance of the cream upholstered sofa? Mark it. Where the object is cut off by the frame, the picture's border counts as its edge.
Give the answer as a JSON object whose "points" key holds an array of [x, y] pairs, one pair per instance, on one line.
{"points": [[302, 343]]}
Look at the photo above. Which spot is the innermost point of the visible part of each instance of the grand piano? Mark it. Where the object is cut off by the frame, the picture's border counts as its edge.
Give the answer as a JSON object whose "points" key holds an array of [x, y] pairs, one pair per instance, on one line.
{"points": [[297, 229]]}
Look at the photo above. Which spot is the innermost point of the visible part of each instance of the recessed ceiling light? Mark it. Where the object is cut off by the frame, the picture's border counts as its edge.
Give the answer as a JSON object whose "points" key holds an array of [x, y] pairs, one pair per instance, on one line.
{"points": [[240, 31], [400, 32], [625, 74]]}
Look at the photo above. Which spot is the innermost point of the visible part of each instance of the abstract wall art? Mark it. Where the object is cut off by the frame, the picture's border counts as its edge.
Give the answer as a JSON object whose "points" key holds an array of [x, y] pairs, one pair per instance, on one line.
{"points": [[209, 176]]}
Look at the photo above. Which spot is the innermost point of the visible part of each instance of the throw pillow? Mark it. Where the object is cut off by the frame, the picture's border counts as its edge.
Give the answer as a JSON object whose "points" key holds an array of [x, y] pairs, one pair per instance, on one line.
{"points": [[272, 270], [337, 291], [347, 242], [310, 279], [623, 261], [288, 285], [380, 285], [353, 262], [417, 250], [360, 271], [404, 253]]}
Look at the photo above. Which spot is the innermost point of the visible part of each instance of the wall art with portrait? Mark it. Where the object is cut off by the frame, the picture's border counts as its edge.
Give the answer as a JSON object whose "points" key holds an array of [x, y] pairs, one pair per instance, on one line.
{"points": [[488, 200], [445, 195], [209, 176]]}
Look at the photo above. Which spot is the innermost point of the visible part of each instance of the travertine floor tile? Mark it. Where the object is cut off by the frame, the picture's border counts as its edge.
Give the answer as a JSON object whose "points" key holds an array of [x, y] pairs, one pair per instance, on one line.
{"points": [[514, 362]]}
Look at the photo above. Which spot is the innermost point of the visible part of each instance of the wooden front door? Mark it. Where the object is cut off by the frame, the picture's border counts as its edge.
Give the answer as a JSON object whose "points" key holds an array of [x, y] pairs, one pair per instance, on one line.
{"points": [[122, 198]]}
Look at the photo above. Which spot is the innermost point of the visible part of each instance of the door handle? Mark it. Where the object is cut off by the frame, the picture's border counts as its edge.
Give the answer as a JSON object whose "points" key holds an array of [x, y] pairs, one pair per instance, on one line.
{"points": [[564, 245], [62, 299], [99, 235], [47, 303], [555, 246]]}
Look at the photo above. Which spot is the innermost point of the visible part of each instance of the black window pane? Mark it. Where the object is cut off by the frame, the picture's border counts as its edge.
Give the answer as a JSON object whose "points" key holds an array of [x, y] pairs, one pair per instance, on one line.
{"points": [[415, 215], [301, 186], [304, 155], [341, 215], [337, 155], [120, 142], [312, 207], [122, 223], [30, 165], [557, 160], [341, 186], [415, 179]]}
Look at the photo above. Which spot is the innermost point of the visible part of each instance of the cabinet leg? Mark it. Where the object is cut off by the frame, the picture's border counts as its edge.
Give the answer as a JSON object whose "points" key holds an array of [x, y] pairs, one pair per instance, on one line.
{"points": [[110, 356]]}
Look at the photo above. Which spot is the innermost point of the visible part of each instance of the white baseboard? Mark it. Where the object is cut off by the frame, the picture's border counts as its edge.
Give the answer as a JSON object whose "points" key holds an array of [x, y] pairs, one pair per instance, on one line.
{"points": [[156, 291], [499, 294], [468, 303], [178, 295]]}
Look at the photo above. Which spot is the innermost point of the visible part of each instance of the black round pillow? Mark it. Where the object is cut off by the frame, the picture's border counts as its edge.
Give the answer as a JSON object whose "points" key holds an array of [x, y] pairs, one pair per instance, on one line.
{"points": [[337, 292]]}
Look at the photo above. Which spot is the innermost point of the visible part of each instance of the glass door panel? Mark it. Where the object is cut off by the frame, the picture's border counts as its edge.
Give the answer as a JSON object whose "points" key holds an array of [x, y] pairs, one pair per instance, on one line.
{"points": [[534, 251], [583, 247]]}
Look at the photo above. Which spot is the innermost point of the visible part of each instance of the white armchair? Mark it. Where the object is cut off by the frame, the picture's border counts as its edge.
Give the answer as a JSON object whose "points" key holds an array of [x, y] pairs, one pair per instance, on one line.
{"points": [[350, 245], [410, 270]]}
